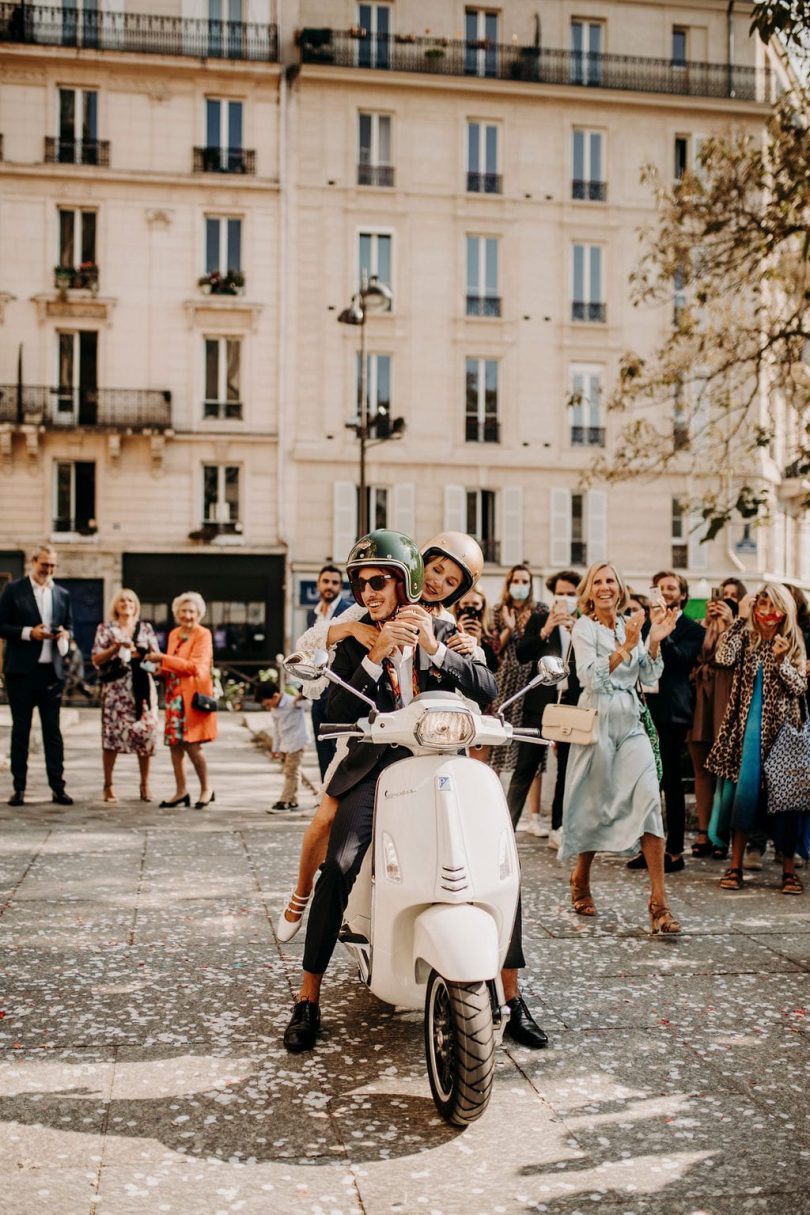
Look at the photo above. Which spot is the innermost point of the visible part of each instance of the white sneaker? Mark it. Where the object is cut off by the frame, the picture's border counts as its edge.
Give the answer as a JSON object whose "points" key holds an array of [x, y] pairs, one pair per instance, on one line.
{"points": [[752, 861], [554, 839], [535, 827]]}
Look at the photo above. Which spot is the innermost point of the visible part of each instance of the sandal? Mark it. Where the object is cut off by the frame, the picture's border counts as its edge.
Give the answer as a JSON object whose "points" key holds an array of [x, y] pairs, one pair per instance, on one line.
{"points": [[702, 847], [662, 921], [287, 928], [791, 884], [719, 854], [581, 899], [732, 879], [109, 794]]}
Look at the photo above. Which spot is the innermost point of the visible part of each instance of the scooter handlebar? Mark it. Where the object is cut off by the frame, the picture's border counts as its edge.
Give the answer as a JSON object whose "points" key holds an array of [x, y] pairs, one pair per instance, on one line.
{"points": [[336, 727]]}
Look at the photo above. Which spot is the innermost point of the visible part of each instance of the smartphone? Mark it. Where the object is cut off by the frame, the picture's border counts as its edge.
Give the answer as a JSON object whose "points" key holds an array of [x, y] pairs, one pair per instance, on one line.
{"points": [[717, 592], [568, 603], [473, 613], [655, 597]]}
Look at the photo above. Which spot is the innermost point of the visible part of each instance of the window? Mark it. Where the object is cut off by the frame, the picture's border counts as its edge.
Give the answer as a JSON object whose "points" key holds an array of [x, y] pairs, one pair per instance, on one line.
{"points": [[481, 42], [588, 298], [373, 49], [77, 248], [78, 127], [579, 547], [75, 497], [586, 420], [374, 167], [680, 419], [226, 32], [680, 538], [588, 164], [374, 258], [378, 392], [482, 158], [586, 52], [223, 398], [481, 521], [679, 47], [77, 390], [578, 525], [376, 507], [80, 22], [681, 156], [224, 151], [483, 298], [221, 498], [223, 245], [481, 415]]}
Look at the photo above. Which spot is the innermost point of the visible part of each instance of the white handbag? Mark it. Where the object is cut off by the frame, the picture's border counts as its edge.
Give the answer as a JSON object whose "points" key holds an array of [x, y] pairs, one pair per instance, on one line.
{"points": [[568, 724]]}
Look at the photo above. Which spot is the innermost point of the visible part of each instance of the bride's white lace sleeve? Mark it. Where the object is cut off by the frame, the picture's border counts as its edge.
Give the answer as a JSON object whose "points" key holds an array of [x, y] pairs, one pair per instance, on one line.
{"points": [[315, 639]]}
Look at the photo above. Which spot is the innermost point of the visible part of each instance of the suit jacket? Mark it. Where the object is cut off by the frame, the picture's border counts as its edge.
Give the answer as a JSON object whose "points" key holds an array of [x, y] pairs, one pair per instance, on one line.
{"points": [[18, 610], [472, 679], [531, 648], [674, 702], [342, 604]]}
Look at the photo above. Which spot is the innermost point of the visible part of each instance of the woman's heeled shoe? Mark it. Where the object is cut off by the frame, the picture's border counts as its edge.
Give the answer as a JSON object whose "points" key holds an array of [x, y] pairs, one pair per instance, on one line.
{"points": [[662, 921], [201, 804], [109, 794], [185, 800], [146, 796], [581, 898], [701, 848], [286, 929]]}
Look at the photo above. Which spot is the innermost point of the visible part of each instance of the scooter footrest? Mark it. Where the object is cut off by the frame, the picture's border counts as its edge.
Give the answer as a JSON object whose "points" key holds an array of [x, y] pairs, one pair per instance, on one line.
{"points": [[352, 938]]}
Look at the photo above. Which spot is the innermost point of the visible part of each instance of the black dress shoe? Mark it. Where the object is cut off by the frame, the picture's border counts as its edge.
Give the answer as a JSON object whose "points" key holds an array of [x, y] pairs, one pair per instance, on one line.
{"points": [[185, 800], [61, 798], [201, 805], [305, 1024], [17, 798], [673, 864], [522, 1026], [638, 862]]}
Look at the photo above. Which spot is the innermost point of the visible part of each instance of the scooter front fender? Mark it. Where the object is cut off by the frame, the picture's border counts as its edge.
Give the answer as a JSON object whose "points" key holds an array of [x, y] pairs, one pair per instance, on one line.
{"points": [[457, 940]]}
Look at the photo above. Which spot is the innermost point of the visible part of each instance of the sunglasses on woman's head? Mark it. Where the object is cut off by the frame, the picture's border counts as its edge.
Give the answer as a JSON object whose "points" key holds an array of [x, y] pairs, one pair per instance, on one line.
{"points": [[377, 582]]}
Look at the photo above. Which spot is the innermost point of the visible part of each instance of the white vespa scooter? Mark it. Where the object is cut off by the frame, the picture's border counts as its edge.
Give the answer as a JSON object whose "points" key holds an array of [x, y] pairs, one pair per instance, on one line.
{"points": [[430, 916]]}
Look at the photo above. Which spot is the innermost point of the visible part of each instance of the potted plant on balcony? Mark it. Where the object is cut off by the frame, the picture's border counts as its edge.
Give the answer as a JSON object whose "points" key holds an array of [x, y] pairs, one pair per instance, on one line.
{"points": [[434, 54], [63, 277], [87, 276], [216, 283], [358, 31]]}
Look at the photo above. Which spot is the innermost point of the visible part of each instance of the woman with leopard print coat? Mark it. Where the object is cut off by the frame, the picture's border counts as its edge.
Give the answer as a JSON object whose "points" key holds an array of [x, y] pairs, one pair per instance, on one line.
{"points": [[766, 652]]}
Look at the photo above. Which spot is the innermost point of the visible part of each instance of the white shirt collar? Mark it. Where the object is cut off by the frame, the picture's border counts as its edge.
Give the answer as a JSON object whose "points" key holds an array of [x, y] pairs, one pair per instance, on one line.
{"points": [[40, 586]]}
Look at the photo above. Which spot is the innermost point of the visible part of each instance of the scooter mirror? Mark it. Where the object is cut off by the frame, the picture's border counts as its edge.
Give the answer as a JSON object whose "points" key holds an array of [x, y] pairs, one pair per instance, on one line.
{"points": [[550, 670], [305, 668]]}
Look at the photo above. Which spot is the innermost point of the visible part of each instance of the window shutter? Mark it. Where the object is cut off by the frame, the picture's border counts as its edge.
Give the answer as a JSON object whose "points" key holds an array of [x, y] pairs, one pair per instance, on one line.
{"points": [[404, 514], [560, 518], [698, 553], [511, 525], [455, 508], [597, 526], [344, 519]]}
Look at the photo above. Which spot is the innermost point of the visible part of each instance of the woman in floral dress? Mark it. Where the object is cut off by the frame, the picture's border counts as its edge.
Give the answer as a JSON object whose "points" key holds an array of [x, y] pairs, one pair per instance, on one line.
{"points": [[129, 721]]}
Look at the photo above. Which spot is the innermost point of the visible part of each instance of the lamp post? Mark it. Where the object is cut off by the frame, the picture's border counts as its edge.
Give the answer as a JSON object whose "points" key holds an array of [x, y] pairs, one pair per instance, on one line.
{"points": [[373, 296]]}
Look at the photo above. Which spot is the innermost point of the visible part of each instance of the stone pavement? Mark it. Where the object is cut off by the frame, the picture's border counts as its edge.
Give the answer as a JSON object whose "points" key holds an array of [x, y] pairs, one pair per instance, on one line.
{"points": [[144, 996]]}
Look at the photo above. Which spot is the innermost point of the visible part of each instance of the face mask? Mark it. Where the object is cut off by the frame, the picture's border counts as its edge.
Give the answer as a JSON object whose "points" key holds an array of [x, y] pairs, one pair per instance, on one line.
{"points": [[518, 591], [770, 617]]}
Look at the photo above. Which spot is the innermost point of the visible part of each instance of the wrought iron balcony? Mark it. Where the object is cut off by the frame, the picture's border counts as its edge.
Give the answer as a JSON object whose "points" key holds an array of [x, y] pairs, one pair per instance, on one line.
{"points": [[73, 278], [680, 556], [590, 191], [483, 305], [143, 33], [491, 550], [224, 160], [488, 431], [587, 436], [375, 175], [79, 525], [223, 410], [537, 65], [77, 151], [116, 409], [484, 183], [585, 311], [579, 552]]}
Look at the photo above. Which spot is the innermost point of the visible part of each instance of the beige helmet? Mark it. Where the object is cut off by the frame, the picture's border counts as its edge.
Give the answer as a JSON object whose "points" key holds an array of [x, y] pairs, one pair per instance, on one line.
{"points": [[465, 551]]}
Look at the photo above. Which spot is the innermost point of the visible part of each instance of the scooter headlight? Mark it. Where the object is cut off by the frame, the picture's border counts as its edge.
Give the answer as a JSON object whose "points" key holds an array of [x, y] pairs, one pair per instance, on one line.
{"points": [[445, 728]]}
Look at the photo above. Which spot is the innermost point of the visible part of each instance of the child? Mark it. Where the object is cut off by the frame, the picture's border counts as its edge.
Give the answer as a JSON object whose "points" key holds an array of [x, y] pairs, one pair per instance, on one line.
{"points": [[290, 722]]}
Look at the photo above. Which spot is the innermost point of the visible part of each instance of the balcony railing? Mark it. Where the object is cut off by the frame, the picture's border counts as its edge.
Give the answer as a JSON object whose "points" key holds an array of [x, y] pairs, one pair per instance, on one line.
{"points": [[209, 528], [680, 556], [224, 160], [77, 151], [73, 278], [587, 436], [105, 408], [538, 65], [223, 410], [375, 175], [484, 183], [491, 550], [583, 311], [143, 33], [488, 431], [483, 305], [579, 552], [590, 191], [78, 524]]}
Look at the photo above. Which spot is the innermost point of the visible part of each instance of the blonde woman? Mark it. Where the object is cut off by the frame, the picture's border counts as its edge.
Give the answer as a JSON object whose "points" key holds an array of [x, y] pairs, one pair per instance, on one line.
{"points": [[612, 802], [186, 666], [129, 721], [766, 651]]}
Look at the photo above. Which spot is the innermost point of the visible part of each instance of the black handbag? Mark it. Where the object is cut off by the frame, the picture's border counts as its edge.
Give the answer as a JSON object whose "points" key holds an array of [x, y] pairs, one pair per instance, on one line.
{"points": [[203, 703], [112, 670]]}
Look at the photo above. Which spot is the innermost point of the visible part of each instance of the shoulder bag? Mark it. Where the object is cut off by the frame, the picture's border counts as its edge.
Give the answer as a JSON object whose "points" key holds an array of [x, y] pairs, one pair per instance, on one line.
{"points": [[787, 769], [567, 723]]}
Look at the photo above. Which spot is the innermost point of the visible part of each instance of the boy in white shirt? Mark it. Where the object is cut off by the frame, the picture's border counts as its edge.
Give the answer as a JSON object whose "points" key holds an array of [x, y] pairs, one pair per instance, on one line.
{"points": [[290, 724]]}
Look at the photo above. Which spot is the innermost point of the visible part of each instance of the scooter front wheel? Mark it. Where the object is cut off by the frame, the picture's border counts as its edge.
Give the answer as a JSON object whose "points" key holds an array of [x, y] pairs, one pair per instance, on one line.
{"points": [[459, 1048]]}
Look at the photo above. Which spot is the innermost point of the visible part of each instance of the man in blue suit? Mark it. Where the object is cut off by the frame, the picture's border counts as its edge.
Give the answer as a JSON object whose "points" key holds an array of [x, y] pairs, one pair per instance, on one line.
{"points": [[330, 604], [36, 625]]}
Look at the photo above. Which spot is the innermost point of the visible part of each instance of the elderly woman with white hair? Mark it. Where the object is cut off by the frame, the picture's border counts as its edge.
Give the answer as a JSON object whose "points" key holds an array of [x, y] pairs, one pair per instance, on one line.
{"points": [[186, 667]]}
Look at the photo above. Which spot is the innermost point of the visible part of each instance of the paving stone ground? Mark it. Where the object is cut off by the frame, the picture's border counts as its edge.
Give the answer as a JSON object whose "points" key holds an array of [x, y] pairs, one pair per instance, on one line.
{"points": [[144, 995]]}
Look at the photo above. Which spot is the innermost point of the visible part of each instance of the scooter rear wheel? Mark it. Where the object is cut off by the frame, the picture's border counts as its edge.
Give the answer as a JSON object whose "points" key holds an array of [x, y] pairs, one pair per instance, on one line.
{"points": [[459, 1048]]}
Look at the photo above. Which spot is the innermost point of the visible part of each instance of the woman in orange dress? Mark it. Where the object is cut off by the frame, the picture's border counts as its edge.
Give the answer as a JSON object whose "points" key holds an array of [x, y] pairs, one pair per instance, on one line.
{"points": [[186, 667]]}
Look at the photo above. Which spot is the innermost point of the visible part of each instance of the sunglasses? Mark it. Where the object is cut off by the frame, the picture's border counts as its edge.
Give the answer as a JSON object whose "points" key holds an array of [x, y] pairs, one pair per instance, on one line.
{"points": [[377, 582]]}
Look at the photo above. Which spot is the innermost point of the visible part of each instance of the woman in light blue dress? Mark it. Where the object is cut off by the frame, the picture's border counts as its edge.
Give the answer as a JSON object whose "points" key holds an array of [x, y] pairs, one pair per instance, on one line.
{"points": [[612, 801]]}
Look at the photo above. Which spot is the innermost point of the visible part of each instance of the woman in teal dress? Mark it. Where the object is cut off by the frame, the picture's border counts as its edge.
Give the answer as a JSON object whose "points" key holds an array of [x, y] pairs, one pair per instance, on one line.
{"points": [[612, 801]]}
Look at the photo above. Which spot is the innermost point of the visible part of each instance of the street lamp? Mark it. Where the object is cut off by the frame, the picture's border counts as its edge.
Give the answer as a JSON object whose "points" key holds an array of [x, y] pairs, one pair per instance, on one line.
{"points": [[372, 297]]}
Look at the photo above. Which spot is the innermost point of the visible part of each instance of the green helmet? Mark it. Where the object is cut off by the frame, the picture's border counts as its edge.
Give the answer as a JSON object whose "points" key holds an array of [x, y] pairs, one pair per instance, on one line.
{"points": [[394, 550]]}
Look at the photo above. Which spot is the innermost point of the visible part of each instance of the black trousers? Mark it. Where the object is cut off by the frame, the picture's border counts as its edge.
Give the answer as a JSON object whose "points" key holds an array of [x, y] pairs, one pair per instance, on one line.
{"points": [[529, 760], [43, 691], [672, 738], [348, 843], [559, 786], [325, 748]]}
